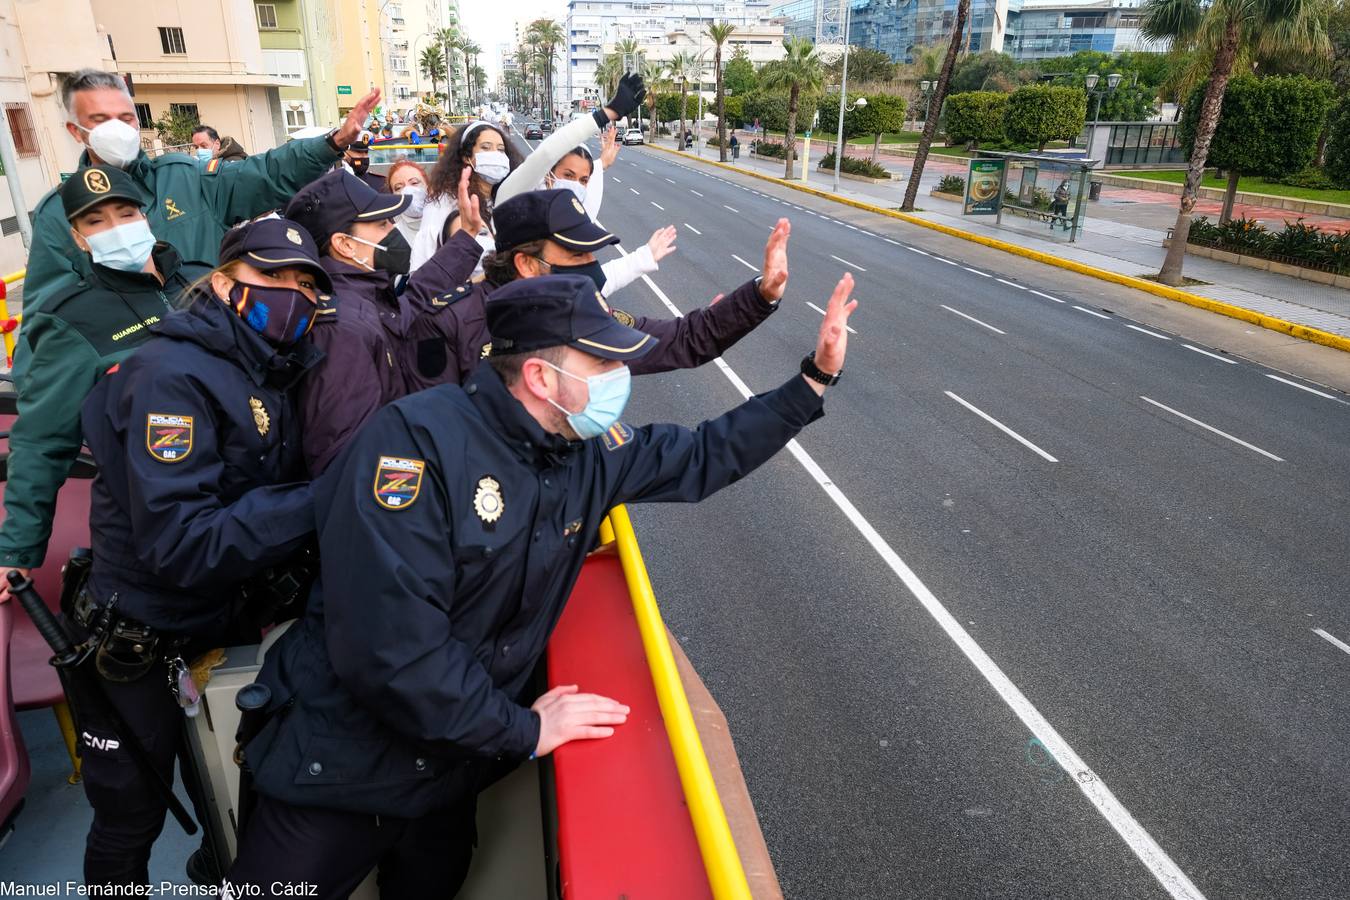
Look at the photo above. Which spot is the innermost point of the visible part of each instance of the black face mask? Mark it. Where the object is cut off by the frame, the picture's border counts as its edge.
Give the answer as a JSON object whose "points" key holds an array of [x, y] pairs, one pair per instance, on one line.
{"points": [[359, 166], [395, 254], [594, 270]]}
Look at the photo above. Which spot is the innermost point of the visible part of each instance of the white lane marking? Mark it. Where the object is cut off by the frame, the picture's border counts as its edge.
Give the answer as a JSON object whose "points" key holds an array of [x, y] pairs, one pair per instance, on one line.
{"points": [[1222, 434], [971, 318], [670, 181], [1222, 359], [634, 191], [649, 171], [695, 193], [845, 224], [822, 312], [1001, 427], [1011, 284], [868, 233], [1154, 858], [1339, 643], [693, 229], [657, 205], [847, 263], [889, 241], [1301, 387], [1161, 337], [739, 260], [1090, 312], [732, 208], [941, 260], [1046, 296], [917, 250], [977, 272], [616, 180]]}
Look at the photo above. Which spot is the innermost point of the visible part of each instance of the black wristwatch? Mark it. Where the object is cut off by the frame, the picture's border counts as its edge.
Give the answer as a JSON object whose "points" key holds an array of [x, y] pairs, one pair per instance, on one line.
{"points": [[332, 142], [813, 371]]}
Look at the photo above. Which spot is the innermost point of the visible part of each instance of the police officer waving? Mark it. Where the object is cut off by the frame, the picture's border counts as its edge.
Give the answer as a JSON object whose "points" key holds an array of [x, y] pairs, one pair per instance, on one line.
{"points": [[200, 486], [450, 538], [75, 337]]}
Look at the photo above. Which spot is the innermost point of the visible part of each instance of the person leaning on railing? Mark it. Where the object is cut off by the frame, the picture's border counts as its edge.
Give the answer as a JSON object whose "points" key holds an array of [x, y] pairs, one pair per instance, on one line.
{"points": [[192, 204]]}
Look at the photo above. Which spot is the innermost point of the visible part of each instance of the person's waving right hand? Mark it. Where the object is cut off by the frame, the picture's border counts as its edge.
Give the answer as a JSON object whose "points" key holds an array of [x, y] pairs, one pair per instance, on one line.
{"points": [[832, 342]]}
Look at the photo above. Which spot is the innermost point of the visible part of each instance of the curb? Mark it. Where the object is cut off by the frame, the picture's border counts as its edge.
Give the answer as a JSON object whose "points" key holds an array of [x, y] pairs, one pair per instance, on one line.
{"points": [[1303, 332]]}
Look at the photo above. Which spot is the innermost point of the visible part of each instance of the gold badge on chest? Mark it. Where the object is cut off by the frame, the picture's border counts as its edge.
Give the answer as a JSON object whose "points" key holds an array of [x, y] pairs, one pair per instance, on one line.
{"points": [[260, 416], [487, 500]]}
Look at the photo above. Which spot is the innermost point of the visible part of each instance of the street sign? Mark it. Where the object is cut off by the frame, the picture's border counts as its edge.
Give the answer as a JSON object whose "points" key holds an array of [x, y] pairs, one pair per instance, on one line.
{"points": [[344, 89], [984, 187]]}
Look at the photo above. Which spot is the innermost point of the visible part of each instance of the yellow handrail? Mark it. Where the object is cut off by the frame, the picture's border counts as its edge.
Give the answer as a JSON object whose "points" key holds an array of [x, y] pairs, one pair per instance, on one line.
{"points": [[431, 146], [5, 317], [726, 876]]}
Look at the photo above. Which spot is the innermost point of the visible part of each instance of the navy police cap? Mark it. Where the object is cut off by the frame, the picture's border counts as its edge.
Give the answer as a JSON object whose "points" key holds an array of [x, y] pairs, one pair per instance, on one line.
{"points": [[556, 215], [330, 204], [533, 313], [270, 244]]}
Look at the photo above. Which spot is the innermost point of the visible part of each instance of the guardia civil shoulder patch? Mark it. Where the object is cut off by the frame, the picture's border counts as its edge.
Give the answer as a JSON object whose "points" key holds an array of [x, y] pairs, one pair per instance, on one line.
{"points": [[168, 437], [398, 481], [617, 435]]}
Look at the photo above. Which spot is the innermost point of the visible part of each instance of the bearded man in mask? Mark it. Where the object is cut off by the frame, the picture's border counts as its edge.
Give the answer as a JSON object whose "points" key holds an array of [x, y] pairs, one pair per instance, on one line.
{"points": [[363, 329], [190, 205]]}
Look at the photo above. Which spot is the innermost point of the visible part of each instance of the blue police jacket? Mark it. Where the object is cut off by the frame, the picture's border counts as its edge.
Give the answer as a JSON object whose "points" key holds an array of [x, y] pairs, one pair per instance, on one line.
{"points": [[451, 533], [201, 483]]}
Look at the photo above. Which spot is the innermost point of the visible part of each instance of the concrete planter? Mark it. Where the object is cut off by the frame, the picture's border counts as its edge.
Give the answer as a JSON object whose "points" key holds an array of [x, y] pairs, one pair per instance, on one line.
{"points": [[943, 195], [1267, 265], [1306, 207], [851, 177]]}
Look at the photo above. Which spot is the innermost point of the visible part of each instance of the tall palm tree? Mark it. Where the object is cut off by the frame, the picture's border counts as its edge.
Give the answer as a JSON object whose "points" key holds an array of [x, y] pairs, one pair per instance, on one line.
{"points": [[448, 38], [432, 65], [551, 37], [470, 50], [607, 74], [682, 67], [935, 106], [800, 70], [653, 76], [1224, 31], [719, 34]]}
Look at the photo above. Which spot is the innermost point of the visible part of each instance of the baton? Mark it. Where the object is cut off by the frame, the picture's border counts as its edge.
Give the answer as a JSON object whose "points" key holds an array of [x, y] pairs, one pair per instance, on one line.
{"points": [[68, 659]]}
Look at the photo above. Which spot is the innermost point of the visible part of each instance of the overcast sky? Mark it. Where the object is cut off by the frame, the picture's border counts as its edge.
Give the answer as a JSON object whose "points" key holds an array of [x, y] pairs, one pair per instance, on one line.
{"points": [[490, 23]]}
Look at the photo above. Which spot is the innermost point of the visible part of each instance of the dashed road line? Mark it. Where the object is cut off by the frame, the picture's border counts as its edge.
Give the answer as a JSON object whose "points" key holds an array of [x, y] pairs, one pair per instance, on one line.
{"points": [[732, 208], [634, 191], [1046, 296], [744, 263], [1301, 387], [1090, 312], [693, 229], [695, 193], [657, 205], [1003, 428], [1161, 337], [847, 263], [977, 272], [1334, 641], [971, 318], [1211, 428], [822, 312], [1222, 359], [1011, 284]]}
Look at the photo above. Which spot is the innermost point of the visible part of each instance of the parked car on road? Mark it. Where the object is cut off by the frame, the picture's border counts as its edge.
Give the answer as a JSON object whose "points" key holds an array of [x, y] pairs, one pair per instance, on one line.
{"points": [[533, 132], [632, 136]]}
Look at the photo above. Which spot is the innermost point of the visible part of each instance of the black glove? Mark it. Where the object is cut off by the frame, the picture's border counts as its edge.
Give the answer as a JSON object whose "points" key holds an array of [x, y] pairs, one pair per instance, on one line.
{"points": [[629, 96]]}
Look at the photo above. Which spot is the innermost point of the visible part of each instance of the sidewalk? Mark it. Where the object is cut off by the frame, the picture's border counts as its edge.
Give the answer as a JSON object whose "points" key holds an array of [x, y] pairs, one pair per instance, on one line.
{"points": [[1123, 233]]}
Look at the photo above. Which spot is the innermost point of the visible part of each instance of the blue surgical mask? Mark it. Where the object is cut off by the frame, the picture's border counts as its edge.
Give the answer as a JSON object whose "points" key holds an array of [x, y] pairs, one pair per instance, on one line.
{"points": [[609, 395], [125, 247], [205, 153]]}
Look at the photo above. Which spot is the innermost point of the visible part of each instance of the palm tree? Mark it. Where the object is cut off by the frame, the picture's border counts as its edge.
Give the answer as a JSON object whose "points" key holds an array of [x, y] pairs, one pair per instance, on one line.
{"points": [[432, 65], [1224, 31], [608, 72], [550, 36], [935, 106], [448, 38], [470, 50], [719, 34], [653, 76], [799, 70], [682, 65]]}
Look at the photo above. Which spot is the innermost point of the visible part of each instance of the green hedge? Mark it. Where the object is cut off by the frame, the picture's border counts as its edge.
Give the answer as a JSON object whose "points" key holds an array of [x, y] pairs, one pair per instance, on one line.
{"points": [[1338, 144], [1040, 113], [771, 148], [975, 116], [1296, 243], [854, 166], [1267, 126]]}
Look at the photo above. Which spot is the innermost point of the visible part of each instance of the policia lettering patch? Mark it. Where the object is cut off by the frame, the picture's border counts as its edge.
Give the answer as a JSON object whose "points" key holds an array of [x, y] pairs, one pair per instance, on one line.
{"points": [[167, 437], [398, 481]]}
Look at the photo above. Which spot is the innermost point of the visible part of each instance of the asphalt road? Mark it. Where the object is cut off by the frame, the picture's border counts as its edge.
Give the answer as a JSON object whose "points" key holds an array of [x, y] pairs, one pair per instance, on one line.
{"points": [[1122, 571]]}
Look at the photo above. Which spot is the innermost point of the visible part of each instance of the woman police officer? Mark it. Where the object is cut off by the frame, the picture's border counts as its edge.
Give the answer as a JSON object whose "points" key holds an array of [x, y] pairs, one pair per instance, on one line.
{"points": [[74, 337], [200, 487]]}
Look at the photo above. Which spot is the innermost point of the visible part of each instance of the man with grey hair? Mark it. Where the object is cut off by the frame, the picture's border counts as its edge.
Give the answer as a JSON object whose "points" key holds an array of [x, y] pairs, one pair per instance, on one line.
{"points": [[191, 205]]}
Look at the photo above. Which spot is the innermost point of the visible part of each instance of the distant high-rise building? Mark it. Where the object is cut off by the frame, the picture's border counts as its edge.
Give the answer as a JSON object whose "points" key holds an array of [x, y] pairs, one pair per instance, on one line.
{"points": [[1044, 28]]}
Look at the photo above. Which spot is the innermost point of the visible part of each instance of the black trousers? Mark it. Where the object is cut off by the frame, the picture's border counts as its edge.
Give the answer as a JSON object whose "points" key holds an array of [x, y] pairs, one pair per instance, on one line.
{"points": [[128, 815], [334, 851]]}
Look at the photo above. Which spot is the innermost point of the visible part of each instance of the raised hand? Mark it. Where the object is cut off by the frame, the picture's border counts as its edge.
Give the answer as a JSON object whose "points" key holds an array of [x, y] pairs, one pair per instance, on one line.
{"points": [[351, 126], [609, 146], [662, 242], [470, 217], [565, 715], [774, 275], [628, 97], [832, 343]]}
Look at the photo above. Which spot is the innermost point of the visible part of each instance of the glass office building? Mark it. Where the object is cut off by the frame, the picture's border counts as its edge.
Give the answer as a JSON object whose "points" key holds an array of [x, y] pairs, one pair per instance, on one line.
{"points": [[896, 27]]}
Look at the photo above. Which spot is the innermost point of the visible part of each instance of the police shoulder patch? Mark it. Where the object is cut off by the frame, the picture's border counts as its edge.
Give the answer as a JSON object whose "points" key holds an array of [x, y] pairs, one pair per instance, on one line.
{"points": [[398, 481], [168, 437], [616, 436]]}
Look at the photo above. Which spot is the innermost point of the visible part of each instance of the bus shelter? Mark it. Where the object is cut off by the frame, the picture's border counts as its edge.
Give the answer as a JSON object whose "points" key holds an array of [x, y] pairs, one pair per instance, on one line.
{"points": [[1045, 186]]}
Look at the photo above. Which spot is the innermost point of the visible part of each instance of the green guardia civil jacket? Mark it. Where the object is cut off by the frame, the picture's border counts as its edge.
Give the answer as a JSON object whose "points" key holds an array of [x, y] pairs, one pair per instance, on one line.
{"points": [[192, 204], [73, 339]]}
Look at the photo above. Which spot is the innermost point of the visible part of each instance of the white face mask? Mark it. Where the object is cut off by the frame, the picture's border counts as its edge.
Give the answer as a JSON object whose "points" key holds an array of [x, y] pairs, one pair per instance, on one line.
{"points": [[576, 187], [491, 165], [114, 141], [418, 193]]}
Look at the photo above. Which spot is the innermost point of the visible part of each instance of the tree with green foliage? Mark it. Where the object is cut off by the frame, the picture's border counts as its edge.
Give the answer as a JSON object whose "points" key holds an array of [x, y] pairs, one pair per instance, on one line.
{"points": [[1338, 144], [735, 107], [883, 113], [175, 126], [1267, 126], [799, 71], [1224, 33], [719, 34], [683, 68], [935, 105], [1039, 113], [987, 71], [654, 77], [975, 116], [432, 65], [864, 64], [769, 110], [740, 77]]}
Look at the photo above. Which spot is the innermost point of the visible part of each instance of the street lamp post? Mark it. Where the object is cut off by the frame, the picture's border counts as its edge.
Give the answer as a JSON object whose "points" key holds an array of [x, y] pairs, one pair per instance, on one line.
{"points": [[1090, 82], [698, 126]]}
